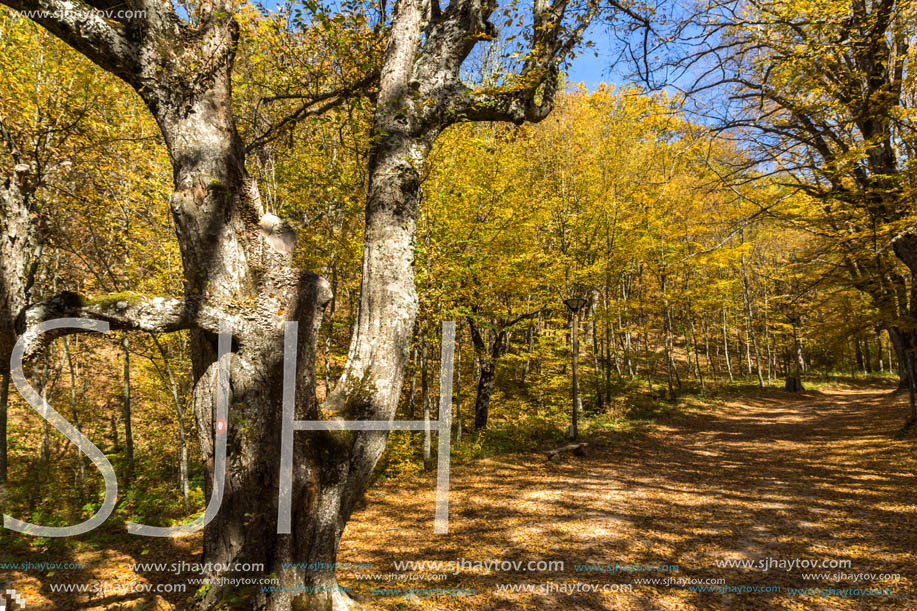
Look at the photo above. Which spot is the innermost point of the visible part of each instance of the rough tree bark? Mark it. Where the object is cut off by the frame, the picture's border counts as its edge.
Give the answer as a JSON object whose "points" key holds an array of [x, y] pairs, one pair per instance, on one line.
{"points": [[18, 262]]}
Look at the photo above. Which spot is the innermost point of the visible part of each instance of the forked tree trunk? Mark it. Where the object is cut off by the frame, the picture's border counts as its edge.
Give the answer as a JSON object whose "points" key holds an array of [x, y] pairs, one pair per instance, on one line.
{"points": [[486, 356], [216, 211], [183, 73]]}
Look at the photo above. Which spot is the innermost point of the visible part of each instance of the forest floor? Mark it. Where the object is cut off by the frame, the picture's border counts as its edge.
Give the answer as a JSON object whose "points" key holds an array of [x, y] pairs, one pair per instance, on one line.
{"points": [[768, 479]]}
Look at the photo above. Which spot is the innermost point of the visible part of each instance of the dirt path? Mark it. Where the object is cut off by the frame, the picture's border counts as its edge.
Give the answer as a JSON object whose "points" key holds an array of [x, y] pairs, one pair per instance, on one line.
{"points": [[819, 477], [764, 480]]}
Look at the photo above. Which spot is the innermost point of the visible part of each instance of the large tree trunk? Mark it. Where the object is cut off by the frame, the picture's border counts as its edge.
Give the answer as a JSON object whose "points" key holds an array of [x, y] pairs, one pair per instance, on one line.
{"points": [[904, 335], [4, 403], [226, 261], [904, 342], [18, 259]]}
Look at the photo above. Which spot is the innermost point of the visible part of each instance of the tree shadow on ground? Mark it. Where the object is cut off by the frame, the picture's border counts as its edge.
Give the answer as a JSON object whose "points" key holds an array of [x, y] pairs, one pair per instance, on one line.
{"points": [[817, 476]]}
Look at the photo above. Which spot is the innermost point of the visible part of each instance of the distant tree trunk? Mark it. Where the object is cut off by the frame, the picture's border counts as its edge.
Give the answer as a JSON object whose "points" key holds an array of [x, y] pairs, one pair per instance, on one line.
{"points": [[858, 354], [485, 390], [794, 377], [711, 364], [726, 345], [888, 354], [458, 383], [624, 327], [596, 362], [688, 344], [577, 405], [626, 346], [748, 366], [45, 382], [771, 365], [183, 466], [413, 390], [867, 355], [486, 360], [41, 377], [126, 410], [644, 324], [880, 361], [700, 373], [750, 322], [425, 399], [330, 335], [74, 411], [486, 356], [667, 338], [611, 346]]}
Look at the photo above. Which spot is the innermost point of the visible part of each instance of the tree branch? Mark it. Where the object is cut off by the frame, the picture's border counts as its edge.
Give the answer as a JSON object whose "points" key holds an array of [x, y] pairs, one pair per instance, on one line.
{"points": [[124, 311], [332, 98], [516, 102], [84, 28], [526, 316]]}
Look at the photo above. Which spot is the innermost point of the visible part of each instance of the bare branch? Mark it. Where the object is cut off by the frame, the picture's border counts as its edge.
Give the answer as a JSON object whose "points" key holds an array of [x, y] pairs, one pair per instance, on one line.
{"points": [[332, 99]]}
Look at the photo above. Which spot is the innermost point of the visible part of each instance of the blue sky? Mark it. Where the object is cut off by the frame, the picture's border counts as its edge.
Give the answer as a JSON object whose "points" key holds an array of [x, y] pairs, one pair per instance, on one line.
{"points": [[592, 66], [591, 69]]}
